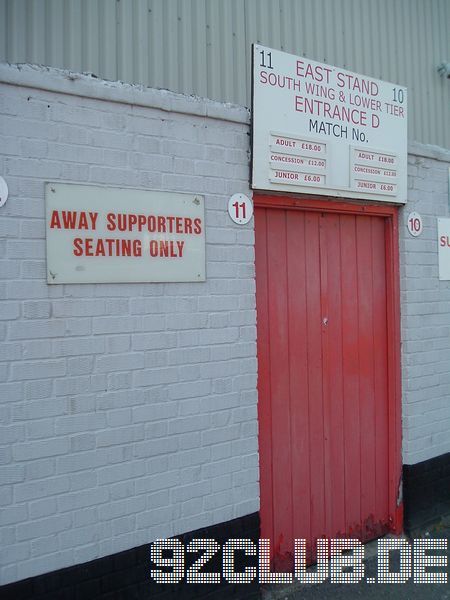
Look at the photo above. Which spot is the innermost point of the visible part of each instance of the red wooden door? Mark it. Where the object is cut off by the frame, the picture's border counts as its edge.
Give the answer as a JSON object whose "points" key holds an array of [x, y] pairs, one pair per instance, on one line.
{"points": [[328, 414]]}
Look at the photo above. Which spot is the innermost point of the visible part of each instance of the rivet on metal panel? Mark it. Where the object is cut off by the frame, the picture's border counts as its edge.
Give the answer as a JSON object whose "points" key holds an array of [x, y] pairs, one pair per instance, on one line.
{"points": [[196, 200]]}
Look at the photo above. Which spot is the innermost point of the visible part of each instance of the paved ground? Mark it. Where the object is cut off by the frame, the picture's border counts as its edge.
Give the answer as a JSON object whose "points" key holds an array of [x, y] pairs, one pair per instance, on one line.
{"points": [[407, 591]]}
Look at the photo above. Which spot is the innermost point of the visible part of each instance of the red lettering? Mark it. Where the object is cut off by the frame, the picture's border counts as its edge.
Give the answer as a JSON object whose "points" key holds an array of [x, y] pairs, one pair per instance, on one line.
{"points": [[137, 248], [188, 225], [77, 249], [317, 73], [69, 219], [197, 226], [161, 225], [107, 247], [110, 221], [54, 221], [83, 222], [125, 247], [93, 217], [100, 249], [88, 247], [164, 248], [153, 247], [142, 220], [170, 221]]}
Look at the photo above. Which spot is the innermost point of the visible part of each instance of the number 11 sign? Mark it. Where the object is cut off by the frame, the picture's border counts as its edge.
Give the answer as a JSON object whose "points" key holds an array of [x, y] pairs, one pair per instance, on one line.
{"points": [[240, 208]]}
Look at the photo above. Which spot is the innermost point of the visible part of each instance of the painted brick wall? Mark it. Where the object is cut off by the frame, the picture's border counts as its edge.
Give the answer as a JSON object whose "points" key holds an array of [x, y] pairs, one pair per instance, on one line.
{"points": [[425, 306], [128, 410]]}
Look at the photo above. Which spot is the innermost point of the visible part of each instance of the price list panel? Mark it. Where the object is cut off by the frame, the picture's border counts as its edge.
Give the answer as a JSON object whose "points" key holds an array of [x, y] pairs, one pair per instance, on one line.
{"points": [[374, 171], [296, 161]]}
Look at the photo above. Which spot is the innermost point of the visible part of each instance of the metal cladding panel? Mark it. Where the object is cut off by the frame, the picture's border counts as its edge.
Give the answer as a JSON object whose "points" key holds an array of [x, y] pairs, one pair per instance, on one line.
{"points": [[203, 47]]}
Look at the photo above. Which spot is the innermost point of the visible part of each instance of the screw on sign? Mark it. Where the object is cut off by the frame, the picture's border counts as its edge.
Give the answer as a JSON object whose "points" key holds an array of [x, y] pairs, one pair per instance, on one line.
{"points": [[240, 208], [415, 224]]}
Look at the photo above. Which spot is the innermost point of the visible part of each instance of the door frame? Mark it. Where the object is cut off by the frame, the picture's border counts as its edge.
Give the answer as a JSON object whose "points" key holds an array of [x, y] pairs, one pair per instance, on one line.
{"points": [[390, 214]]}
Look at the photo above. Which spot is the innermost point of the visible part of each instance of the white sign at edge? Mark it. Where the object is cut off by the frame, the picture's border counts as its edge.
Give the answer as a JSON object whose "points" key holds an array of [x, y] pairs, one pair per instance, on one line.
{"points": [[444, 248]]}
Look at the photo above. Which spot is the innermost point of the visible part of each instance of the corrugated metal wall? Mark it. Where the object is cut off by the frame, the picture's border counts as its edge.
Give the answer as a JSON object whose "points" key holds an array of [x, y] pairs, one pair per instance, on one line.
{"points": [[203, 46]]}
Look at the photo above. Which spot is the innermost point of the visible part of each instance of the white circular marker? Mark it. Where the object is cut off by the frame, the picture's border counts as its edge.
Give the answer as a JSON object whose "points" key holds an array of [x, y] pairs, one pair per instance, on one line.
{"points": [[414, 224], [3, 191], [240, 208]]}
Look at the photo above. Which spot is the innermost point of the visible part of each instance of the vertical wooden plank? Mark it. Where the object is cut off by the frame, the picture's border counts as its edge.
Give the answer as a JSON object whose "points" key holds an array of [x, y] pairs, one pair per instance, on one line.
{"points": [[314, 358], [264, 395], [393, 361], [298, 373], [366, 376], [380, 369], [350, 366], [336, 499], [279, 380], [326, 382]]}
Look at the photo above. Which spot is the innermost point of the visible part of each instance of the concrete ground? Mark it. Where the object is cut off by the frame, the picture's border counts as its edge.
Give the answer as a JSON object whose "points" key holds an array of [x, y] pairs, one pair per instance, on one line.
{"points": [[406, 591]]}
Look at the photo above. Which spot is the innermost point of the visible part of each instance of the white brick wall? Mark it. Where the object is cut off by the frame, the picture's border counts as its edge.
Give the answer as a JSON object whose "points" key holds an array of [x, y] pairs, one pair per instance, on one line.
{"points": [[128, 411], [425, 306]]}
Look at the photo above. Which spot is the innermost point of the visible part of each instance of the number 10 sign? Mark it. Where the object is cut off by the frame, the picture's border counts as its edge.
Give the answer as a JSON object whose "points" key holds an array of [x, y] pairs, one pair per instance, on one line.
{"points": [[240, 208]]}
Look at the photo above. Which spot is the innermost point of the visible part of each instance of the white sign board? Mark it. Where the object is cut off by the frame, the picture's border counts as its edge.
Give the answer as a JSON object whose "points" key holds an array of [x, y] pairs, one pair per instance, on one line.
{"points": [[319, 129], [444, 248], [101, 234]]}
